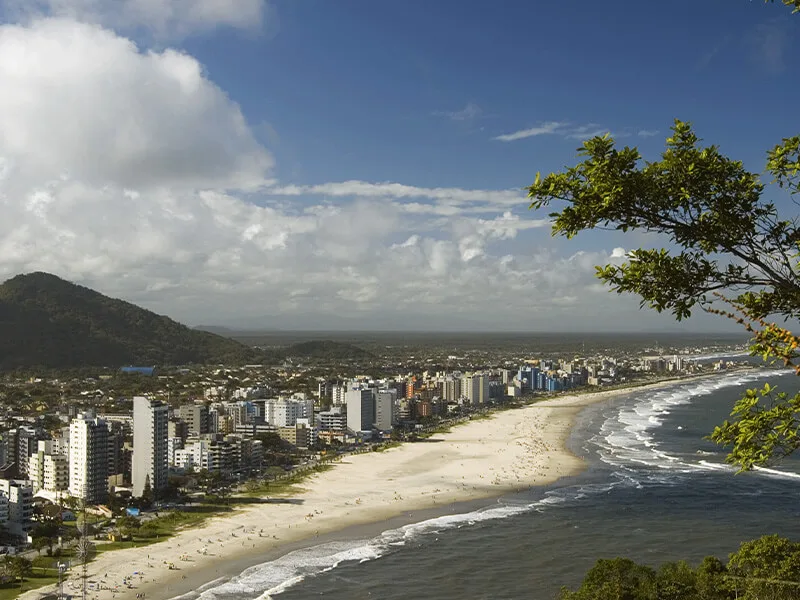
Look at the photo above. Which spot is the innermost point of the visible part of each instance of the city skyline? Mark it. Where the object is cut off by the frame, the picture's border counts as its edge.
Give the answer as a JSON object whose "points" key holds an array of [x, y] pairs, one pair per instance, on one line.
{"points": [[354, 165]]}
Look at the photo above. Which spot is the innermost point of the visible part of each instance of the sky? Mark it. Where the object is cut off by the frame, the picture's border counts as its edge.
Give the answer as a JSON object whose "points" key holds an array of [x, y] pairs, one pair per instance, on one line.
{"points": [[359, 164]]}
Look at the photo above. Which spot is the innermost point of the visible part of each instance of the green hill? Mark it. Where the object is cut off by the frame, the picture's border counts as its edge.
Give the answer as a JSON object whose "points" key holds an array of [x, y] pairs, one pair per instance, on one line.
{"points": [[49, 322]]}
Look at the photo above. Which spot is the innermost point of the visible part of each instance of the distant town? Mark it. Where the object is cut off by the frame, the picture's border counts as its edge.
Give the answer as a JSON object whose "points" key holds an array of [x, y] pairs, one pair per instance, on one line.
{"points": [[122, 442]]}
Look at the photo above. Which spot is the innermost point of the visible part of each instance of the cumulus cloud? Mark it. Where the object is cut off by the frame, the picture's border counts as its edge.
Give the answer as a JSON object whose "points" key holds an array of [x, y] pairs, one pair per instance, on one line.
{"points": [[166, 19], [441, 202], [399, 190], [80, 102], [133, 173]]}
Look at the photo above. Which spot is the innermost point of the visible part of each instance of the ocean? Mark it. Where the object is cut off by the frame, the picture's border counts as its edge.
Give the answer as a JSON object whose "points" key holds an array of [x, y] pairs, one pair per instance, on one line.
{"points": [[654, 491]]}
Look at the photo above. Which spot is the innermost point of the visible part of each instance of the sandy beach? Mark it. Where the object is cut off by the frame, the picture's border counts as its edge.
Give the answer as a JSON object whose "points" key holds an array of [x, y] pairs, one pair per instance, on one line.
{"points": [[510, 451]]}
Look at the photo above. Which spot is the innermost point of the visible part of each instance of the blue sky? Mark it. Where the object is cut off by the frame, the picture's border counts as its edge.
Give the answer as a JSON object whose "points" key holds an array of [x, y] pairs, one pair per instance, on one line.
{"points": [[231, 167], [361, 89]]}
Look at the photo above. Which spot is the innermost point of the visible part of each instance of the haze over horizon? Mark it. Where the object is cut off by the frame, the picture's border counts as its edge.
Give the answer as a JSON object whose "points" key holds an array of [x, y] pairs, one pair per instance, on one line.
{"points": [[357, 165]]}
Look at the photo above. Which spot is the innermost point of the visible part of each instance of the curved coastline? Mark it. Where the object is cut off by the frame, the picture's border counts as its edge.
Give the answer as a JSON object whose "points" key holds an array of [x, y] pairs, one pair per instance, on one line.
{"points": [[476, 462]]}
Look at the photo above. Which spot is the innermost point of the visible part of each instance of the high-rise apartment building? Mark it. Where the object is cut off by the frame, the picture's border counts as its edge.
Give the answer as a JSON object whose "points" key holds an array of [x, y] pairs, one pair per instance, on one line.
{"points": [[150, 450], [284, 412], [27, 443], [8, 448], [47, 469], [88, 458], [337, 395], [196, 418], [16, 498], [475, 388], [451, 389], [385, 409], [360, 409]]}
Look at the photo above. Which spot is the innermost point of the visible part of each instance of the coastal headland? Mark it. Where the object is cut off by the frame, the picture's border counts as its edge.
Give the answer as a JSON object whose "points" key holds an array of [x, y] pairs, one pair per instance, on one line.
{"points": [[484, 458]]}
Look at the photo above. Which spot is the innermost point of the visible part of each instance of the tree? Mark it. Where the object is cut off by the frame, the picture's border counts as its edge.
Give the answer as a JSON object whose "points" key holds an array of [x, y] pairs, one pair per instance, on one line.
{"points": [[149, 529], [794, 3], [146, 500], [45, 533], [16, 567], [725, 238], [615, 579], [42, 563], [711, 583], [128, 525], [764, 568], [731, 254], [676, 581], [40, 543], [768, 567]]}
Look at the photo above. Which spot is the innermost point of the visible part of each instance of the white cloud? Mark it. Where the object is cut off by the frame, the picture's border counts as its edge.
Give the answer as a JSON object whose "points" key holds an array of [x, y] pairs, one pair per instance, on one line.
{"points": [[132, 173], [166, 19], [453, 196], [543, 129], [80, 102], [584, 132], [559, 128], [647, 133], [469, 113]]}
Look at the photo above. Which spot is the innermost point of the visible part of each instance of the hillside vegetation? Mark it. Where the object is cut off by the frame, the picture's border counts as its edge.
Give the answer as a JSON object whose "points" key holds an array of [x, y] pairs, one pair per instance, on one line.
{"points": [[47, 321]]}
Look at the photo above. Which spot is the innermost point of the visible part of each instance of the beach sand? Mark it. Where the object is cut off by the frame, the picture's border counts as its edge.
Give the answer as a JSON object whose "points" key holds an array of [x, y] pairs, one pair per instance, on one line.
{"points": [[509, 451]]}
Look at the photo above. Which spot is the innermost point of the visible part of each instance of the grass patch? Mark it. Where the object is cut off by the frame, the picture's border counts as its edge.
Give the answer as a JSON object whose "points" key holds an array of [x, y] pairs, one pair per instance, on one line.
{"points": [[484, 416], [387, 446], [10, 591], [284, 486], [166, 525]]}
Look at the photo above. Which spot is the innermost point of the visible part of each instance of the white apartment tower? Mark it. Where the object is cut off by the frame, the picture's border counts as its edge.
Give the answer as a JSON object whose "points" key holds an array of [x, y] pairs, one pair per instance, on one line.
{"points": [[451, 389], [475, 388], [337, 395], [360, 409], [150, 446], [88, 458], [284, 412], [16, 506], [47, 469]]}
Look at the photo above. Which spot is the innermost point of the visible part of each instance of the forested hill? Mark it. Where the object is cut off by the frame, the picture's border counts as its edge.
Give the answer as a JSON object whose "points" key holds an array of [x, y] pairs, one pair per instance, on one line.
{"points": [[49, 322]]}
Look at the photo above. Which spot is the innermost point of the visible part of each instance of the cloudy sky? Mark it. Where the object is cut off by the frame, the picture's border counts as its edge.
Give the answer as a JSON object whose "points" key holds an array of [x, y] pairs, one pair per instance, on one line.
{"points": [[353, 164]]}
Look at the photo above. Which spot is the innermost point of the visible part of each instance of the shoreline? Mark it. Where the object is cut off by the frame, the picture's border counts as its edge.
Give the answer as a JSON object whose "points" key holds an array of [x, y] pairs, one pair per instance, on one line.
{"points": [[454, 472]]}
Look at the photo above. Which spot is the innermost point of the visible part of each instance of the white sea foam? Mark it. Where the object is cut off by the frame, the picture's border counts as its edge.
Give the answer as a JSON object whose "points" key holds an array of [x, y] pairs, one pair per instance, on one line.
{"points": [[628, 435], [717, 356], [267, 580], [776, 473]]}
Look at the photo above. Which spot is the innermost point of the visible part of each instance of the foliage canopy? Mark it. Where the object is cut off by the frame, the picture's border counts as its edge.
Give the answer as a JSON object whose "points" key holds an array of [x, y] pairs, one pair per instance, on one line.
{"points": [[768, 567], [727, 245]]}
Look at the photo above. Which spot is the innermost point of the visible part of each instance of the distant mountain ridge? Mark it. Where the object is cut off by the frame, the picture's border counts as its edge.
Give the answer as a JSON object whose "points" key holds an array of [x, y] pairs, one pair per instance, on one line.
{"points": [[46, 321], [49, 322]]}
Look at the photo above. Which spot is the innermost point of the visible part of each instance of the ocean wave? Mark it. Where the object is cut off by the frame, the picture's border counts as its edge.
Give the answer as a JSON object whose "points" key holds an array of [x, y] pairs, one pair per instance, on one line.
{"points": [[624, 439], [627, 436], [716, 355], [270, 579], [776, 473]]}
